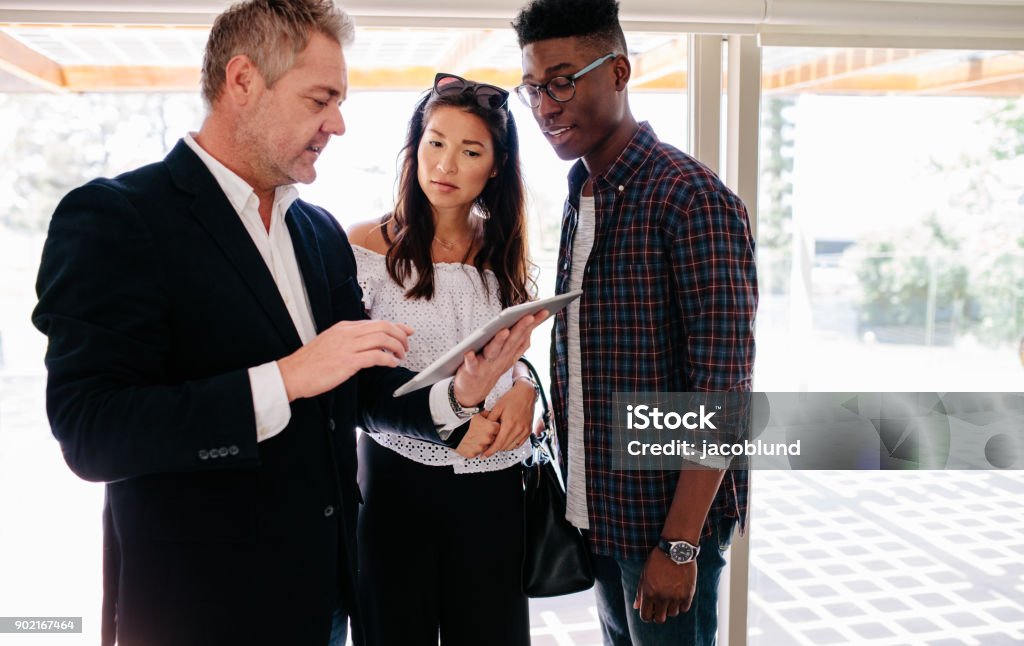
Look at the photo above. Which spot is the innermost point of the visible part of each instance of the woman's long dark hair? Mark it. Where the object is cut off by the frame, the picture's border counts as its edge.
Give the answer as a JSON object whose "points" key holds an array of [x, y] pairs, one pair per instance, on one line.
{"points": [[409, 230]]}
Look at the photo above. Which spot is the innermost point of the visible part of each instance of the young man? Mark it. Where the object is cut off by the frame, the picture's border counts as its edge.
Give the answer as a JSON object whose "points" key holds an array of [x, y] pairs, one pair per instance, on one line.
{"points": [[209, 359], [663, 253]]}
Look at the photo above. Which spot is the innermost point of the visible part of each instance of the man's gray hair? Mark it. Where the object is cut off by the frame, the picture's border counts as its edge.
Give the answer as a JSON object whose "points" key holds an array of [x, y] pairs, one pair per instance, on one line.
{"points": [[271, 33]]}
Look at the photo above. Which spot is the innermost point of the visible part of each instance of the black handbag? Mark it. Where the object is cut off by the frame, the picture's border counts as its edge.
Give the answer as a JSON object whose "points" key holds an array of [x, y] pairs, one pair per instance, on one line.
{"points": [[556, 559]]}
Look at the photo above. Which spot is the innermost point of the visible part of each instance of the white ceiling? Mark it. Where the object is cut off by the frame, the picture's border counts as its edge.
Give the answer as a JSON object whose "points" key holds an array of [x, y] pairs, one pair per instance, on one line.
{"points": [[494, 12], [374, 47], [979, 19], [631, 10]]}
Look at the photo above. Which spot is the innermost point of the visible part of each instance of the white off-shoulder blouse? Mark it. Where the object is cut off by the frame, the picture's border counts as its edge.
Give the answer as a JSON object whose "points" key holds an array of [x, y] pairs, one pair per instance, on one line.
{"points": [[461, 303]]}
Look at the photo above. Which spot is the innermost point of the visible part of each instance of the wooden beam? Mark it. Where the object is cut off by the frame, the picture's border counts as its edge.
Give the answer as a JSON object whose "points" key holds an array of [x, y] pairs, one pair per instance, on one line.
{"points": [[390, 78], [975, 72], [98, 78], [995, 75], [650, 68], [421, 78], [1011, 88], [507, 78], [85, 78], [674, 81], [90, 78], [861, 84], [28, 64], [846, 71], [831, 68], [462, 49]]}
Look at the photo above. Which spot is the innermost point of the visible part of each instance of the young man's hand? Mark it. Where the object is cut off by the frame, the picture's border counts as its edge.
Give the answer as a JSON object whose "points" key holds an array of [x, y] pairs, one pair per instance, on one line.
{"points": [[665, 589]]}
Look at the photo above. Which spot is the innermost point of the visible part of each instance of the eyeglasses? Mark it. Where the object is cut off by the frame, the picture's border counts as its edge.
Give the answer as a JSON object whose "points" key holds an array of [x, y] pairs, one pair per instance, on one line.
{"points": [[488, 96], [560, 88]]}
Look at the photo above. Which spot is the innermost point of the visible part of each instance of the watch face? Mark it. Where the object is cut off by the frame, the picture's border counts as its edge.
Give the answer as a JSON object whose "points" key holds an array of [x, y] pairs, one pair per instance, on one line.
{"points": [[681, 552]]}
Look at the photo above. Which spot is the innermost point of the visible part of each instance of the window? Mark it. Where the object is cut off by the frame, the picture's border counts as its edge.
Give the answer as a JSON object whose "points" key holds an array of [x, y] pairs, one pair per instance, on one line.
{"points": [[891, 258]]}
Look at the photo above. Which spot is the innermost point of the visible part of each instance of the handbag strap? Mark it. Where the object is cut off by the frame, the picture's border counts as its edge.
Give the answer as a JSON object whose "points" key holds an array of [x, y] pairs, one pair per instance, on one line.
{"points": [[545, 410], [543, 450]]}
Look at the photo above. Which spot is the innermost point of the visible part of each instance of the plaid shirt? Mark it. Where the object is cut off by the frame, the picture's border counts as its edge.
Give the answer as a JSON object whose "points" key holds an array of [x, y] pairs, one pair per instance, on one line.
{"points": [[669, 297]]}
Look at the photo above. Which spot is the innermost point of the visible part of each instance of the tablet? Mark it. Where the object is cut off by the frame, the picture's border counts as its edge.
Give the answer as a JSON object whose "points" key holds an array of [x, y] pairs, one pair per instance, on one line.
{"points": [[449, 362]]}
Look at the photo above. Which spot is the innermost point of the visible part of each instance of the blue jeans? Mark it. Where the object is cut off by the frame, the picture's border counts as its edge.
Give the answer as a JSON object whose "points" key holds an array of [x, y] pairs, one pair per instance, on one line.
{"points": [[339, 628], [615, 588]]}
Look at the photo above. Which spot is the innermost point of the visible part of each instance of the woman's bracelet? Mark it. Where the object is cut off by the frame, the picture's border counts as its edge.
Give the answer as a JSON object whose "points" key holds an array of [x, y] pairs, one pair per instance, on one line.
{"points": [[528, 379]]}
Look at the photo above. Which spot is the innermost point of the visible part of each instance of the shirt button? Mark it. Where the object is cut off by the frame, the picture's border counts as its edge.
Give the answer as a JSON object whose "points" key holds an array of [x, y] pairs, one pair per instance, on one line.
{"points": [[621, 188], [331, 424], [233, 450], [222, 451], [204, 454], [328, 511]]}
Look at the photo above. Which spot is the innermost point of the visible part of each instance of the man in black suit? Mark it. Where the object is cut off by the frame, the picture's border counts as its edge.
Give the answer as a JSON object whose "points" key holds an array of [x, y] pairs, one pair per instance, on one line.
{"points": [[209, 357]]}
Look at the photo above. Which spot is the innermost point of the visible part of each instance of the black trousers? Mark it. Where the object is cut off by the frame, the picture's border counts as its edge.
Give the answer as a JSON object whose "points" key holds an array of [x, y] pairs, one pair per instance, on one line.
{"points": [[440, 553]]}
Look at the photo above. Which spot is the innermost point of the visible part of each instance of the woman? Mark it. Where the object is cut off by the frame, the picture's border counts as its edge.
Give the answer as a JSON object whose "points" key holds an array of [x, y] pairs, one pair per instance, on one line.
{"points": [[441, 534]]}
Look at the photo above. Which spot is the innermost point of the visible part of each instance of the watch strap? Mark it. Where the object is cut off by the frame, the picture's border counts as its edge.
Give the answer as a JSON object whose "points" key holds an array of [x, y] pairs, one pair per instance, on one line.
{"points": [[665, 546], [462, 412]]}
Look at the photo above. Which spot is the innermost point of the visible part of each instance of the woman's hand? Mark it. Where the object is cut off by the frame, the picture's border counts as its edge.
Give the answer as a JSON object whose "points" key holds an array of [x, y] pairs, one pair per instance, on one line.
{"points": [[479, 372], [479, 437], [514, 413]]}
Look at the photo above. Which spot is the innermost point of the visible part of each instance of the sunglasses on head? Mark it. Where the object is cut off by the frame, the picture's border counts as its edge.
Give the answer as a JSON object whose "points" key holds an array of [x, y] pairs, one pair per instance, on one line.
{"points": [[488, 96]]}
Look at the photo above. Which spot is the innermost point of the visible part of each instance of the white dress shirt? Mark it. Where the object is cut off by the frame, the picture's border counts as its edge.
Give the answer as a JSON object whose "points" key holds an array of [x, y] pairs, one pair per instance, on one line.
{"points": [[269, 397]]}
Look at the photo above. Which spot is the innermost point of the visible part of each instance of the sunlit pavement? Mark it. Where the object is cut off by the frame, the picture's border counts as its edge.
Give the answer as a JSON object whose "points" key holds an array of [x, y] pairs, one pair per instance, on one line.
{"points": [[837, 557], [888, 558]]}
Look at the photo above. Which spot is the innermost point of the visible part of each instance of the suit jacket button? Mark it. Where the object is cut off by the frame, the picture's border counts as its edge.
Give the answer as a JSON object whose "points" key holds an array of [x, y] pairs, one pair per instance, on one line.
{"points": [[233, 450], [222, 451], [204, 454], [330, 424], [328, 511]]}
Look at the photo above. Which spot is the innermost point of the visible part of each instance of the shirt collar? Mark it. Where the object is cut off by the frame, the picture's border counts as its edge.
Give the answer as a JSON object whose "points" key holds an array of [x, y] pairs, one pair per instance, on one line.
{"points": [[235, 188], [625, 166]]}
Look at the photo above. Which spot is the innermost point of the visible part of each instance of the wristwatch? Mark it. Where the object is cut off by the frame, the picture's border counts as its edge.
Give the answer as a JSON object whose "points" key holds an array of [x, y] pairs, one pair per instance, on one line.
{"points": [[462, 412], [679, 551]]}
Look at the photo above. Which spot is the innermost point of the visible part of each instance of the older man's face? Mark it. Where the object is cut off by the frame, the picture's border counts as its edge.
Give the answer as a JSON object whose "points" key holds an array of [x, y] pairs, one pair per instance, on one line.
{"points": [[291, 122]]}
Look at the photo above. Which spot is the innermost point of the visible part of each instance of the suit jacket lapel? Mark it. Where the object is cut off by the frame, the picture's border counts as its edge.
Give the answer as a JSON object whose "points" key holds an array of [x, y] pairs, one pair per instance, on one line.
{"points": [[215, 214], [314, 275]]}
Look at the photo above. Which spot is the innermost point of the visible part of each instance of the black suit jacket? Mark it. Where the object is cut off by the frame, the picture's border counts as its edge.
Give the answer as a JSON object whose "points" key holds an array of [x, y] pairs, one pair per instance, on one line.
{"points": [[156, 303]]}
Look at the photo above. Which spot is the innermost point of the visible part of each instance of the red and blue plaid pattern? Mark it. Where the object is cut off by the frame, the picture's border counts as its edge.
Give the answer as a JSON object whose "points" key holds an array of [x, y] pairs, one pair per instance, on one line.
{"points": [[668, 305]]}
